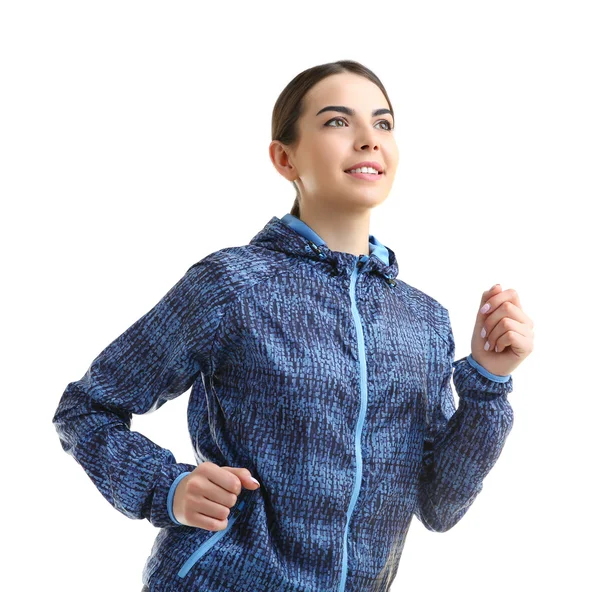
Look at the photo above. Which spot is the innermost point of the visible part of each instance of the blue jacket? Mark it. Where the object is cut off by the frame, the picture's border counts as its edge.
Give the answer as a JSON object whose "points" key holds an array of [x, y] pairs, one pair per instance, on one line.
{"points": [[324, 375]]}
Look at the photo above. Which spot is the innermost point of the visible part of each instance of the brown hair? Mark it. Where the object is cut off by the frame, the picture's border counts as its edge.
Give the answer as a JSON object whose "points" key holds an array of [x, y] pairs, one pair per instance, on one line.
{"points": [[289, 105]]}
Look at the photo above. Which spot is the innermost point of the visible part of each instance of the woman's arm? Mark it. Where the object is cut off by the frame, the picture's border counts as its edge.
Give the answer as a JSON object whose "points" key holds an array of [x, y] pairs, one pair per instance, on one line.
{"points": [[461, 445], [153, 361]]}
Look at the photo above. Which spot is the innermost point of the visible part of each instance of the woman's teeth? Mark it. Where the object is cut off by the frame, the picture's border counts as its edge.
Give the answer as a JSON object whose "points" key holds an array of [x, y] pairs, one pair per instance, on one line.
{"points": [[364, 170]]}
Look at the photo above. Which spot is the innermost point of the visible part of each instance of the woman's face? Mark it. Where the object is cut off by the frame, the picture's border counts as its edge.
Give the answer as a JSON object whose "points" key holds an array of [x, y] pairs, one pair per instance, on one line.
{"points": [[331, 142]]}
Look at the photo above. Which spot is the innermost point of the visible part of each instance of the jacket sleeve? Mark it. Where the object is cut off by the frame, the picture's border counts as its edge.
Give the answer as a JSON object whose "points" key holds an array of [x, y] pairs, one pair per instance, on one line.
{"points": [[461, 445], [155, 360]]}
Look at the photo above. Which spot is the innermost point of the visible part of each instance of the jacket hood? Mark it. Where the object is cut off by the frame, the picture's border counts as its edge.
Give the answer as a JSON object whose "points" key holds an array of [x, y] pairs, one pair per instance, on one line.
{"points": [[292, 236]]}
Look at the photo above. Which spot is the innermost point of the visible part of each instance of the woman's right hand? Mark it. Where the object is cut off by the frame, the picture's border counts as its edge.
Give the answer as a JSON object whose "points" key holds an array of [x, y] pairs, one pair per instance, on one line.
{"points": [[204, 497]]}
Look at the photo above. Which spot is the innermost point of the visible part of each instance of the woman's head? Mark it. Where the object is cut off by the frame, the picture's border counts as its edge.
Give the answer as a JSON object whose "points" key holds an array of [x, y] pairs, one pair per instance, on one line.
{"points": [[313, 149]]}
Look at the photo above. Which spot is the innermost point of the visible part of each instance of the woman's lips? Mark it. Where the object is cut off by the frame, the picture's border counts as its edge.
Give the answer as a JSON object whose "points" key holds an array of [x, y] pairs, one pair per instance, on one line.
{"points": [[365, 176]]}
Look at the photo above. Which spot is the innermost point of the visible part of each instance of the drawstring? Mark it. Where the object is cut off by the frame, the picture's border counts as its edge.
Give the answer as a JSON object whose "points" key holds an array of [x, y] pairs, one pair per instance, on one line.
{"points": [[390, 280], [312, 247]]}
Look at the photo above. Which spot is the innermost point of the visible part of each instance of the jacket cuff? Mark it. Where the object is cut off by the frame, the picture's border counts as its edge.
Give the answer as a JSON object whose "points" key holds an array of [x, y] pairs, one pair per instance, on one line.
{"points": [[162, 502], [172, 495], [472, 381]]}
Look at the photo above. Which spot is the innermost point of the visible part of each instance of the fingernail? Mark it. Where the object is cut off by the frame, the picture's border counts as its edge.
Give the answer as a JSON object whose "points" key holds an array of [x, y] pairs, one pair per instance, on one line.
{"points": [[492, 287], [255, 481], [484, 308], [486, 346]]}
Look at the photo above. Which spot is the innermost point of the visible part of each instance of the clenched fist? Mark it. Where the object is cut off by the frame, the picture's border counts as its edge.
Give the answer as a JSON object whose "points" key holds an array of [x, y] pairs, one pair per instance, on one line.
{"points": [[203, 498], [503, 334]]}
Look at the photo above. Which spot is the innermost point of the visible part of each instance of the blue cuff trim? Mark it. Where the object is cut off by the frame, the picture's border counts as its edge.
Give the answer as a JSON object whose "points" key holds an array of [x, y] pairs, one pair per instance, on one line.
{"points": [[172, 494], [482, 370]]}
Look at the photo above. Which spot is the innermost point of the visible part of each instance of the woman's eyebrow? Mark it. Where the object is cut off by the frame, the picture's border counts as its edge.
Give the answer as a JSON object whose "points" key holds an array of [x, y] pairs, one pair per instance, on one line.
{"points": [[352, 112]]}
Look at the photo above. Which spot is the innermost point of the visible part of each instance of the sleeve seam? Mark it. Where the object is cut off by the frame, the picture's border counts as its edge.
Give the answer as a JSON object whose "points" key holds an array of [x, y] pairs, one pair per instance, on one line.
{"points": [[445, 320]]}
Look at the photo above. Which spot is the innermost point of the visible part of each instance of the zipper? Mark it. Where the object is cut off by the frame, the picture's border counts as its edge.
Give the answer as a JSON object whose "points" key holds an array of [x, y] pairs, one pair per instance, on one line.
{"points": [[211, 541], [361, 415]]}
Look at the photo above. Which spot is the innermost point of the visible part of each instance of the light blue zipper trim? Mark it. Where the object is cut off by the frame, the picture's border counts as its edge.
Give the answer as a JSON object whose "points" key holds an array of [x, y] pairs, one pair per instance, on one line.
{"points": [[361, 418], [210, 542]]}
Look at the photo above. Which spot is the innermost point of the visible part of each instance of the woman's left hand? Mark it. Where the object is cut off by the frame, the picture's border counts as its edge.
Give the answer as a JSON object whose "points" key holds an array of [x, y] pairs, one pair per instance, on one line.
{"points": [[508, 332]]}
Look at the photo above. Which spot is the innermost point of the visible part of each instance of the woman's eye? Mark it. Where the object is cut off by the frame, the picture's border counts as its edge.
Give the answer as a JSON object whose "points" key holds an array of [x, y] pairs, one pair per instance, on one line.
{"points": [[335, 119], [389, 125], [389, 128]]}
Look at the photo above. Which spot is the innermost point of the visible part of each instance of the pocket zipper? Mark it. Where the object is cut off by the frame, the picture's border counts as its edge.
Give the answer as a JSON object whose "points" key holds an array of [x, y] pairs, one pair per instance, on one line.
{"points": [[211, 541]]}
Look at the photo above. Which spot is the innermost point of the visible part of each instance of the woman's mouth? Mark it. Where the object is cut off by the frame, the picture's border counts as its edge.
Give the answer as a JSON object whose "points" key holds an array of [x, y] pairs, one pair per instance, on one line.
{"points": [[365, 176]]}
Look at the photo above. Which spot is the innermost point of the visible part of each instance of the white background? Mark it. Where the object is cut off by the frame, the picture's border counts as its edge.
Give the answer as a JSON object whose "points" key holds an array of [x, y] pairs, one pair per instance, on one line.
{"points": [[134, 141]]}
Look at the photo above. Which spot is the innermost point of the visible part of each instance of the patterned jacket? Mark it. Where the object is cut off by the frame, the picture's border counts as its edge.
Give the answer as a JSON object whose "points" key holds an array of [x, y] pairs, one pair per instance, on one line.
{"points": [[324, 375]]}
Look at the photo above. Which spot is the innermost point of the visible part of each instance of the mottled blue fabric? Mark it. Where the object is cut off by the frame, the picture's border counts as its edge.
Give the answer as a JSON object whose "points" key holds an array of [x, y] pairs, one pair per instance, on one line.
{"points": [[326, 376]]}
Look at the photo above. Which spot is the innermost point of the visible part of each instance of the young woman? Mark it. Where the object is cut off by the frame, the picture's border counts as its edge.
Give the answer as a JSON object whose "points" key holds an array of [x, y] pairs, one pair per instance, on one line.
{"points": [[321, 408]]}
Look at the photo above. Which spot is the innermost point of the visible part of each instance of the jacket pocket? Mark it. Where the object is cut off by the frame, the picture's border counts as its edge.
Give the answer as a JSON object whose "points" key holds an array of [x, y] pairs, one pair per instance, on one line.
{"points": [[207, 545]]}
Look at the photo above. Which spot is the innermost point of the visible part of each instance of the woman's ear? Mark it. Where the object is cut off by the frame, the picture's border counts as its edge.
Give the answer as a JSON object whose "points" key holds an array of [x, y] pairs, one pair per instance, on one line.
{"points": [[280, 157]]}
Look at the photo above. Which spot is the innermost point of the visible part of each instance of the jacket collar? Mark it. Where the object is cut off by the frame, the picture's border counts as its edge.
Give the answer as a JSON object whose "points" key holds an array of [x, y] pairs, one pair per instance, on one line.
{"points": [[291, 235]]}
